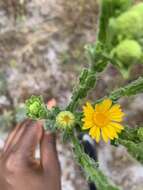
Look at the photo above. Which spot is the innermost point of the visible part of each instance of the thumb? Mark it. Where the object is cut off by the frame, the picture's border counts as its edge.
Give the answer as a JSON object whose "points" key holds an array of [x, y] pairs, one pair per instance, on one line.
{"points": [[49, 158]]}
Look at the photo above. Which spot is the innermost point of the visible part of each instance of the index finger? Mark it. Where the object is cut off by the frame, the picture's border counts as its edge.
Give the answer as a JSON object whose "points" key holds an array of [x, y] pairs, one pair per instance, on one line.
{"points": [[49, 157], [14, 134]]}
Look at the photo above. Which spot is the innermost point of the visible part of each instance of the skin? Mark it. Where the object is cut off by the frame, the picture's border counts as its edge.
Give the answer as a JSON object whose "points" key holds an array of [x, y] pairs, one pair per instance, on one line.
{"points": [[19, 169]]}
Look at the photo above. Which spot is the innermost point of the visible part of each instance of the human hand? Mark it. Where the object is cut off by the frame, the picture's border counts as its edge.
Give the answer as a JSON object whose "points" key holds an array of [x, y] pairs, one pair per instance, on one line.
{"points": [[19, 169]]}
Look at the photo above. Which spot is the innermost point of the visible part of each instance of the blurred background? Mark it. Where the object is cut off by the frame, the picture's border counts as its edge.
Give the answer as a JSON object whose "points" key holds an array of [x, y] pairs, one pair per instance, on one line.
{"points": [[42, 52]]}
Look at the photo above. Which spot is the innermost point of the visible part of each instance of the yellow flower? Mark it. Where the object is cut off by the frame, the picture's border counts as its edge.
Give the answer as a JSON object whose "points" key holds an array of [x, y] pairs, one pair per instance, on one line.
{"points": [[104, 119], [65, 119]]}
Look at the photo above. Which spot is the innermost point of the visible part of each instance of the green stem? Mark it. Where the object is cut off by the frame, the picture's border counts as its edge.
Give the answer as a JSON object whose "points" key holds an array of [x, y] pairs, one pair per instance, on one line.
{"points": [[87, 81], [131, 89], [98, 62], [90, 167]]}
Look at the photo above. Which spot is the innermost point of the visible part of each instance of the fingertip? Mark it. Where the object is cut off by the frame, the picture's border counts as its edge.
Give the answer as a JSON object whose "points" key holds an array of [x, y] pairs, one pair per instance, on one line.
{"points": [[38, 129], [50, 137], [48, 151]]}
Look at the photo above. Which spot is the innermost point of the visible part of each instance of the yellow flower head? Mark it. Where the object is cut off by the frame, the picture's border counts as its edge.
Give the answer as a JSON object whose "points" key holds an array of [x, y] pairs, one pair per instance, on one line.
{"points": [[104, 119], [65, 119]]}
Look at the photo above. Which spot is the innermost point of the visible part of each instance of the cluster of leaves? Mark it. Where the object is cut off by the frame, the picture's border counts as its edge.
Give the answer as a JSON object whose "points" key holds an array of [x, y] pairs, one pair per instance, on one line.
{"points": [[99, 57], [132, 139], [127, 35], [122, 32]]}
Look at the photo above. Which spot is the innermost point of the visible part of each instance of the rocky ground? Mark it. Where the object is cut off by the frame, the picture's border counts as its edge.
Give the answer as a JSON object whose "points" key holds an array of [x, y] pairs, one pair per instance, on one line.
{"points": [[42, 52]]}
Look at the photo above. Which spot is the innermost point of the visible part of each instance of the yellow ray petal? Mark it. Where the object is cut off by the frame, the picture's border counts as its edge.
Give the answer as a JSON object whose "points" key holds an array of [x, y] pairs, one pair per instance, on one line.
{"points": [[117, 126], [104, 136], [95, 133], [112, 131], [88, 107], [88, 111], [115, 109], [103, 106], [116, 114], [87, 125], [107, 132], [117, 119], [106, 104], [98, 107]]}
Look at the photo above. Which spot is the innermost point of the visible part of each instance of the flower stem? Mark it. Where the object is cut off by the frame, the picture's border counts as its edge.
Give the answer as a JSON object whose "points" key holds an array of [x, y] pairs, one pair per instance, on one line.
{"points": [[90, 167]]}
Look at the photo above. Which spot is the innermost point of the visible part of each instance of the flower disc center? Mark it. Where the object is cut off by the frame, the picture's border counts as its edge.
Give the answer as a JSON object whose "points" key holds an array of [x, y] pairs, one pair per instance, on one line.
{"points": [[66, 119], [101, 119]]}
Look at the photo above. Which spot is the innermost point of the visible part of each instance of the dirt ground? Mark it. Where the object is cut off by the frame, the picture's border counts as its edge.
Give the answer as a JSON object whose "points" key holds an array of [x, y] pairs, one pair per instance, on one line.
{"points": [[42, 52]]}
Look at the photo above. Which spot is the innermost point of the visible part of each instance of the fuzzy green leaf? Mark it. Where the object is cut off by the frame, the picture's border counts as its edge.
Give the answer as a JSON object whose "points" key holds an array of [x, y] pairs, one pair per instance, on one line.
{"points": [[135, 149], [132, 139]]}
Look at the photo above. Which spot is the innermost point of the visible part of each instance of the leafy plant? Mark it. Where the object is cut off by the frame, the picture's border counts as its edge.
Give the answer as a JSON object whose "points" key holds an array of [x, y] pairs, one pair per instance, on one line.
{"points": [[70, 121], [127, 31]]}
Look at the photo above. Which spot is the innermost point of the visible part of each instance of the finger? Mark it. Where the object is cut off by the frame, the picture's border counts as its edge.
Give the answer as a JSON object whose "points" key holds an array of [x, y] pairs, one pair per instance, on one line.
{"points": [[29, 141], [14, 135], [49, 158]]}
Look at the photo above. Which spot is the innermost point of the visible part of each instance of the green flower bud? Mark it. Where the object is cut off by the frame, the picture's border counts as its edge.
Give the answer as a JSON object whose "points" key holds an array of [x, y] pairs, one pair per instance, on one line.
{"points": [[35, 107], [138, 7], [140, 133], [129, 24], [128, 51], [65, 120]]}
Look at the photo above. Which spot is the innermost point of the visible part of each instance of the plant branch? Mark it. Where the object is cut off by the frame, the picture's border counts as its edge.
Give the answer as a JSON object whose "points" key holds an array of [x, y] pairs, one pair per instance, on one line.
{"points": [[130, 89], [90, 167]]}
